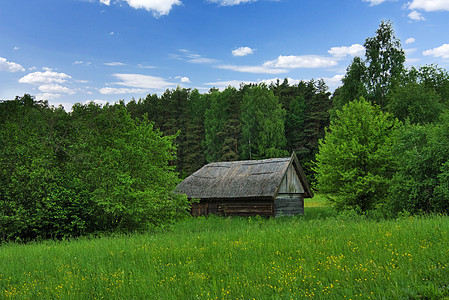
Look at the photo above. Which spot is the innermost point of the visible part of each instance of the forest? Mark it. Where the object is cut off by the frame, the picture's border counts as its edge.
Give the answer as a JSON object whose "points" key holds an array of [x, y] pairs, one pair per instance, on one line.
{"points": [[379, 142]]}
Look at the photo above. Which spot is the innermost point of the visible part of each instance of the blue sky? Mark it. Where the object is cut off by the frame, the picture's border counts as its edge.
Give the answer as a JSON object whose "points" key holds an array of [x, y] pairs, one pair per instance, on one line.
{"points": [[69, 51]]}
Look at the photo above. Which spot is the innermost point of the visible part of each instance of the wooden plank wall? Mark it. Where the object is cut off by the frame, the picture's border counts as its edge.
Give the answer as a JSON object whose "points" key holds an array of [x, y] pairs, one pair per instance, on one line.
{"points": [[233, 208], [290, 183], [289, 205]]}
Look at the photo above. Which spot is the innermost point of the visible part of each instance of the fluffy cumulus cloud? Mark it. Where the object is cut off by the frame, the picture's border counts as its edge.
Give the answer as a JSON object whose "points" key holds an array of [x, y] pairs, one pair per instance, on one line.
{"points": [[429, 5], [230, 2], [106, 2], [442, 51], [55, 88], [8, 66], [253, 69], [46, 77], [302, 61], [157, 7], [416, 16], [242, 51], [183, 79], [49, 83], [47, 96], [353, 50], [410, 40], [136, 84]]}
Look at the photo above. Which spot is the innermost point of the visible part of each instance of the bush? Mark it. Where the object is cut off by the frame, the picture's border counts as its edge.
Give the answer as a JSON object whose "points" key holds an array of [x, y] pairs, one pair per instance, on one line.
{"points": [[93, 170], [421, 181]]}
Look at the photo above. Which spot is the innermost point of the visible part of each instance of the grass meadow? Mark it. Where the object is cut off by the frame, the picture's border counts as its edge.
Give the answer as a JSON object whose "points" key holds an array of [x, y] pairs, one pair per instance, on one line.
{"points": [[321, 255]]}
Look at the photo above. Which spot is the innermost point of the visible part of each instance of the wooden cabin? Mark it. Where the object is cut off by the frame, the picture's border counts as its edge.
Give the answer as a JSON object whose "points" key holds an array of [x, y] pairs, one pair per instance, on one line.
{"points": [[269, 187]]}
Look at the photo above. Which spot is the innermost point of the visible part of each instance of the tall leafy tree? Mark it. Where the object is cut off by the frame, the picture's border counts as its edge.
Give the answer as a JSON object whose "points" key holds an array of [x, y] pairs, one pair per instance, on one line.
{"points": [[384, 62], [414, 102], [354, 163], [353, 84]]}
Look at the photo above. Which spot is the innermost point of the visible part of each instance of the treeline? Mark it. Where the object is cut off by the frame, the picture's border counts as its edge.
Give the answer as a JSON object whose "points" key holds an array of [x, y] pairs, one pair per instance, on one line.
{"points": [[252, 122], [92, 170], [387, 147], [114, 167]]}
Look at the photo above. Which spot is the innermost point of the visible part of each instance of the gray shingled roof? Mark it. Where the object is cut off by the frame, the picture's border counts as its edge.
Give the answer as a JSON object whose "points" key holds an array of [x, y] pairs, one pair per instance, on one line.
{"points": [[240, 179]]}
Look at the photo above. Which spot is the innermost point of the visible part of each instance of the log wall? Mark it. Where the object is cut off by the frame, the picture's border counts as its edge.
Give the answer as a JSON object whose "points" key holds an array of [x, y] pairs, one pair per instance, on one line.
{"points": [[237, 207], [289, 205]]}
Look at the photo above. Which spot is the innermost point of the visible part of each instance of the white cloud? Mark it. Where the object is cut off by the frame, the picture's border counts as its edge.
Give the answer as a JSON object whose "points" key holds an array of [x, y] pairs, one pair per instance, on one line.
{"points": [[410, 51], [80, 62], [106, 2], [202, 60], [47, 69], [47, 96], [353, 50], [442, 51], [114, 64], [410, 40], [374, 2], [242, 51], [303, 61], [16, 48], [193, 57], [253, 69], [8, 66], [183, 79], [157, 7], [82, 81], [142, 81], [46, 77], [55, 88], [116, 91], [230, 2], [429, 5], [416, 16], [145, 67], [335, 81]]}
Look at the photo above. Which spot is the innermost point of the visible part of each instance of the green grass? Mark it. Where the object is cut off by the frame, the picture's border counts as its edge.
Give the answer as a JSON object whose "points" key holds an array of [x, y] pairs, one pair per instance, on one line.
{"points": [[317, 201], [320, 255]]}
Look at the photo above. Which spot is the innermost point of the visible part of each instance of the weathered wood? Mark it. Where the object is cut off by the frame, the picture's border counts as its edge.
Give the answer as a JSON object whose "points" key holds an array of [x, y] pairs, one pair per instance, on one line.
{"points": [[267, 187], [249, 208], [290, 183], [289, 204]]}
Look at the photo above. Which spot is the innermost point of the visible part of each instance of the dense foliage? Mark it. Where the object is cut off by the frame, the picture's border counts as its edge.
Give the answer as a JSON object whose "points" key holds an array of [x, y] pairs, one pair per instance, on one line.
{"points": [[112, 168], [253, 122], [421, 183], [92, 170], [354, 163], [401, 168]]}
